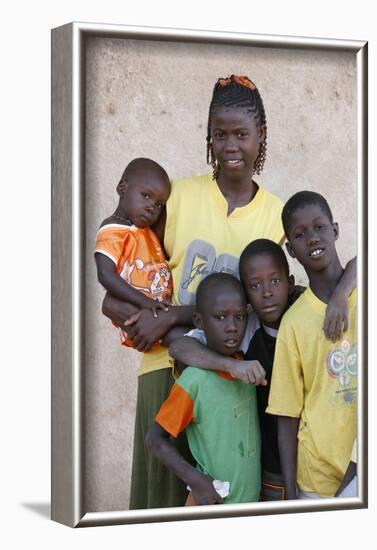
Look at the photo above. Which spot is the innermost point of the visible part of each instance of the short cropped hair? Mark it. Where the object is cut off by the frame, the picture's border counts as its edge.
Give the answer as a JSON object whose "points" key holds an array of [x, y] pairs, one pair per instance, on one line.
{"points": [[299, 200], [141, 165], [259, 247], [216, 283]]}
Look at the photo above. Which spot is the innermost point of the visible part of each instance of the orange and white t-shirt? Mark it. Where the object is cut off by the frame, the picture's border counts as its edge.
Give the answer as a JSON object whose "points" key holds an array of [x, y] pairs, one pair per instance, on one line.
{"points": [[139, 259]]}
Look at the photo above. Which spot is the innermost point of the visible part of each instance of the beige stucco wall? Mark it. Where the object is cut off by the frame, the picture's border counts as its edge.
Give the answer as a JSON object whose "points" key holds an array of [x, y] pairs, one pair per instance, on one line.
{"points": [[151, 99]]}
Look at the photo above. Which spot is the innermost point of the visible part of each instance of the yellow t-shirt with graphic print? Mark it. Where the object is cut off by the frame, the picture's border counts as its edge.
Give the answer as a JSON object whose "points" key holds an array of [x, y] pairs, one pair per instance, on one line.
{"points": [[316, 380], [200, 238]]}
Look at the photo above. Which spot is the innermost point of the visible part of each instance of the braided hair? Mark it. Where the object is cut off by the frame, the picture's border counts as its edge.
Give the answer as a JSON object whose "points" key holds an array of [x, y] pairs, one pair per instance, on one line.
{"points": [[237, 91]]}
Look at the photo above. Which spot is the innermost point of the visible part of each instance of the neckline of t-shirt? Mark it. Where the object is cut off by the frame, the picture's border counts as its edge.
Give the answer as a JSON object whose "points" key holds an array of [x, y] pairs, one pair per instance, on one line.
{"points": [[319, 304], [270, 331], [120, 225], [241, 211]]}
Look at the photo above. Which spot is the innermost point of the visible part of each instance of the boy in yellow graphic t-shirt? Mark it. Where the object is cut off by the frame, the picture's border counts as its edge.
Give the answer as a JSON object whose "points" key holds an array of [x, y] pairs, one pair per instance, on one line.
{"points": [[314, 381]]}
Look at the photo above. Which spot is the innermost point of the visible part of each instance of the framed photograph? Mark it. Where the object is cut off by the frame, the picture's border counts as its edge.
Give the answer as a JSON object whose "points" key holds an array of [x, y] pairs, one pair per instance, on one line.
{"points": [[120, 93]]}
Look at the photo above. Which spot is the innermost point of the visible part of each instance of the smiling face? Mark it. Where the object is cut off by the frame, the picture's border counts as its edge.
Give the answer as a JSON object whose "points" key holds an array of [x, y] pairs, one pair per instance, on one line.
{"points": [[144, 197], [223, 318], [311, 237], [235, 140], [267, 287]]}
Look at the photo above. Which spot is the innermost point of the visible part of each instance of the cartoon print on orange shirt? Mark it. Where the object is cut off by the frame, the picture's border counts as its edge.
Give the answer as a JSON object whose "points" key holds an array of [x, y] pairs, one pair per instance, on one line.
{"points": [[152, 279]]}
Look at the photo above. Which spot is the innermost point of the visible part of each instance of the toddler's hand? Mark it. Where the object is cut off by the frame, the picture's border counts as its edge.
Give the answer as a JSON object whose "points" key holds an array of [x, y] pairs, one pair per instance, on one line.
{"points": [[250, 372]]}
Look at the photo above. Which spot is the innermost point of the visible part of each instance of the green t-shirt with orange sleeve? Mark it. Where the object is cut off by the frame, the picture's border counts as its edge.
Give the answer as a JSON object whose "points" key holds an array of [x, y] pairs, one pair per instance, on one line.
{"points": [[220, 416]]}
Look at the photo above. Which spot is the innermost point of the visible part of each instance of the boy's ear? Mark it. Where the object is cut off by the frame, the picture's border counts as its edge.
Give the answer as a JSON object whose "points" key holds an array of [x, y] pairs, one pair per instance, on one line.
{"points": [[197, 320], [291, 284], [335, 227], [291, 252], [121, 187]]}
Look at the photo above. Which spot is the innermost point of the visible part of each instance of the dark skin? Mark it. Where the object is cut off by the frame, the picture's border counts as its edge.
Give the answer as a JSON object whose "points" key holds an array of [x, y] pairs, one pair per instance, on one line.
{"points": [[158, 441], [143, 329], [235, 142], [119, 288], [287, 439], [336, 321], [189, 350], [311, 241]]}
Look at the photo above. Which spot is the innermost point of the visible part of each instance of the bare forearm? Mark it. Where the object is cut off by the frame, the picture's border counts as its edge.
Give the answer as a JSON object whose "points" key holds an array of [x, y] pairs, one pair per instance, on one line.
{"points": [[348, 281], [117, 310], [337, 311], [120, 289], [183, 315], [174, 334], [158, 441], [287, 438], [191, 352]]}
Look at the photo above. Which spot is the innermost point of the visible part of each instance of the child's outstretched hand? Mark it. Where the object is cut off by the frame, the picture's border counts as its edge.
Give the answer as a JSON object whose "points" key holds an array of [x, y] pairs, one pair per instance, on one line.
{"points": [[204, 492], [336, 320], [250, 372]]}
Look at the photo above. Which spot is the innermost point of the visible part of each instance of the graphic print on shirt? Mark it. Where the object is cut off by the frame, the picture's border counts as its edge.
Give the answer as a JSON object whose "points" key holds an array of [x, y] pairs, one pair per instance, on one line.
{"points": [[200, 261], [342, 364], [154, 280]]}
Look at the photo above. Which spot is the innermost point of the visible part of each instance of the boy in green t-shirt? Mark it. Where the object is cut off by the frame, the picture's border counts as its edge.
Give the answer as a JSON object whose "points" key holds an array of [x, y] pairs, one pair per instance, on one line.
{"points": [[218, 412]]}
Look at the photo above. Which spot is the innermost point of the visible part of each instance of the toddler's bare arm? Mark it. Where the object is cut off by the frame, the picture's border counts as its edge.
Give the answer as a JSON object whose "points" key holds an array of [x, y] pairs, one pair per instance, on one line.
{"points": [[119, 288]]}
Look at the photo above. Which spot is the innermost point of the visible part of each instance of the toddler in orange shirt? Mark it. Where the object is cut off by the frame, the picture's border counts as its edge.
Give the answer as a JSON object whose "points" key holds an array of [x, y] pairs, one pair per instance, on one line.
{"points": [[130, 260]]}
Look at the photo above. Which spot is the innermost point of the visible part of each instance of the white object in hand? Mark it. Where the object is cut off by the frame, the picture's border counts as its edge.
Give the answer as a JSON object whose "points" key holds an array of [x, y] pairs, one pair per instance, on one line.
{"points": [[221, 487]]}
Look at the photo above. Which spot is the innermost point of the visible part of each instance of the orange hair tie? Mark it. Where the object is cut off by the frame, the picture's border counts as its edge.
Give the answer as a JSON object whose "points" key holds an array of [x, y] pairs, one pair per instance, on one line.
{"points": [[241, 79]]}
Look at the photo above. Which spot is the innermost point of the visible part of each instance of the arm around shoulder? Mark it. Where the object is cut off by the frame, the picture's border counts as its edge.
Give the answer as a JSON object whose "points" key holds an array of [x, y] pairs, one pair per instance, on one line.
{"points": [[190, 351], [336, 320]]}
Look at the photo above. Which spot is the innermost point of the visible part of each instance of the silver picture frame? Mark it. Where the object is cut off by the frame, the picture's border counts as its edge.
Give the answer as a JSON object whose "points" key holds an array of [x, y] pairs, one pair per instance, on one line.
{"points": [[68, 242]]}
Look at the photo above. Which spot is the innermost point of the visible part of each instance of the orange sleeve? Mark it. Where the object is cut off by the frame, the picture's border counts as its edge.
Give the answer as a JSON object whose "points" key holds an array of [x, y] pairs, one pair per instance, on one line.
{"points": [[111, 240], [176, 412]]}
